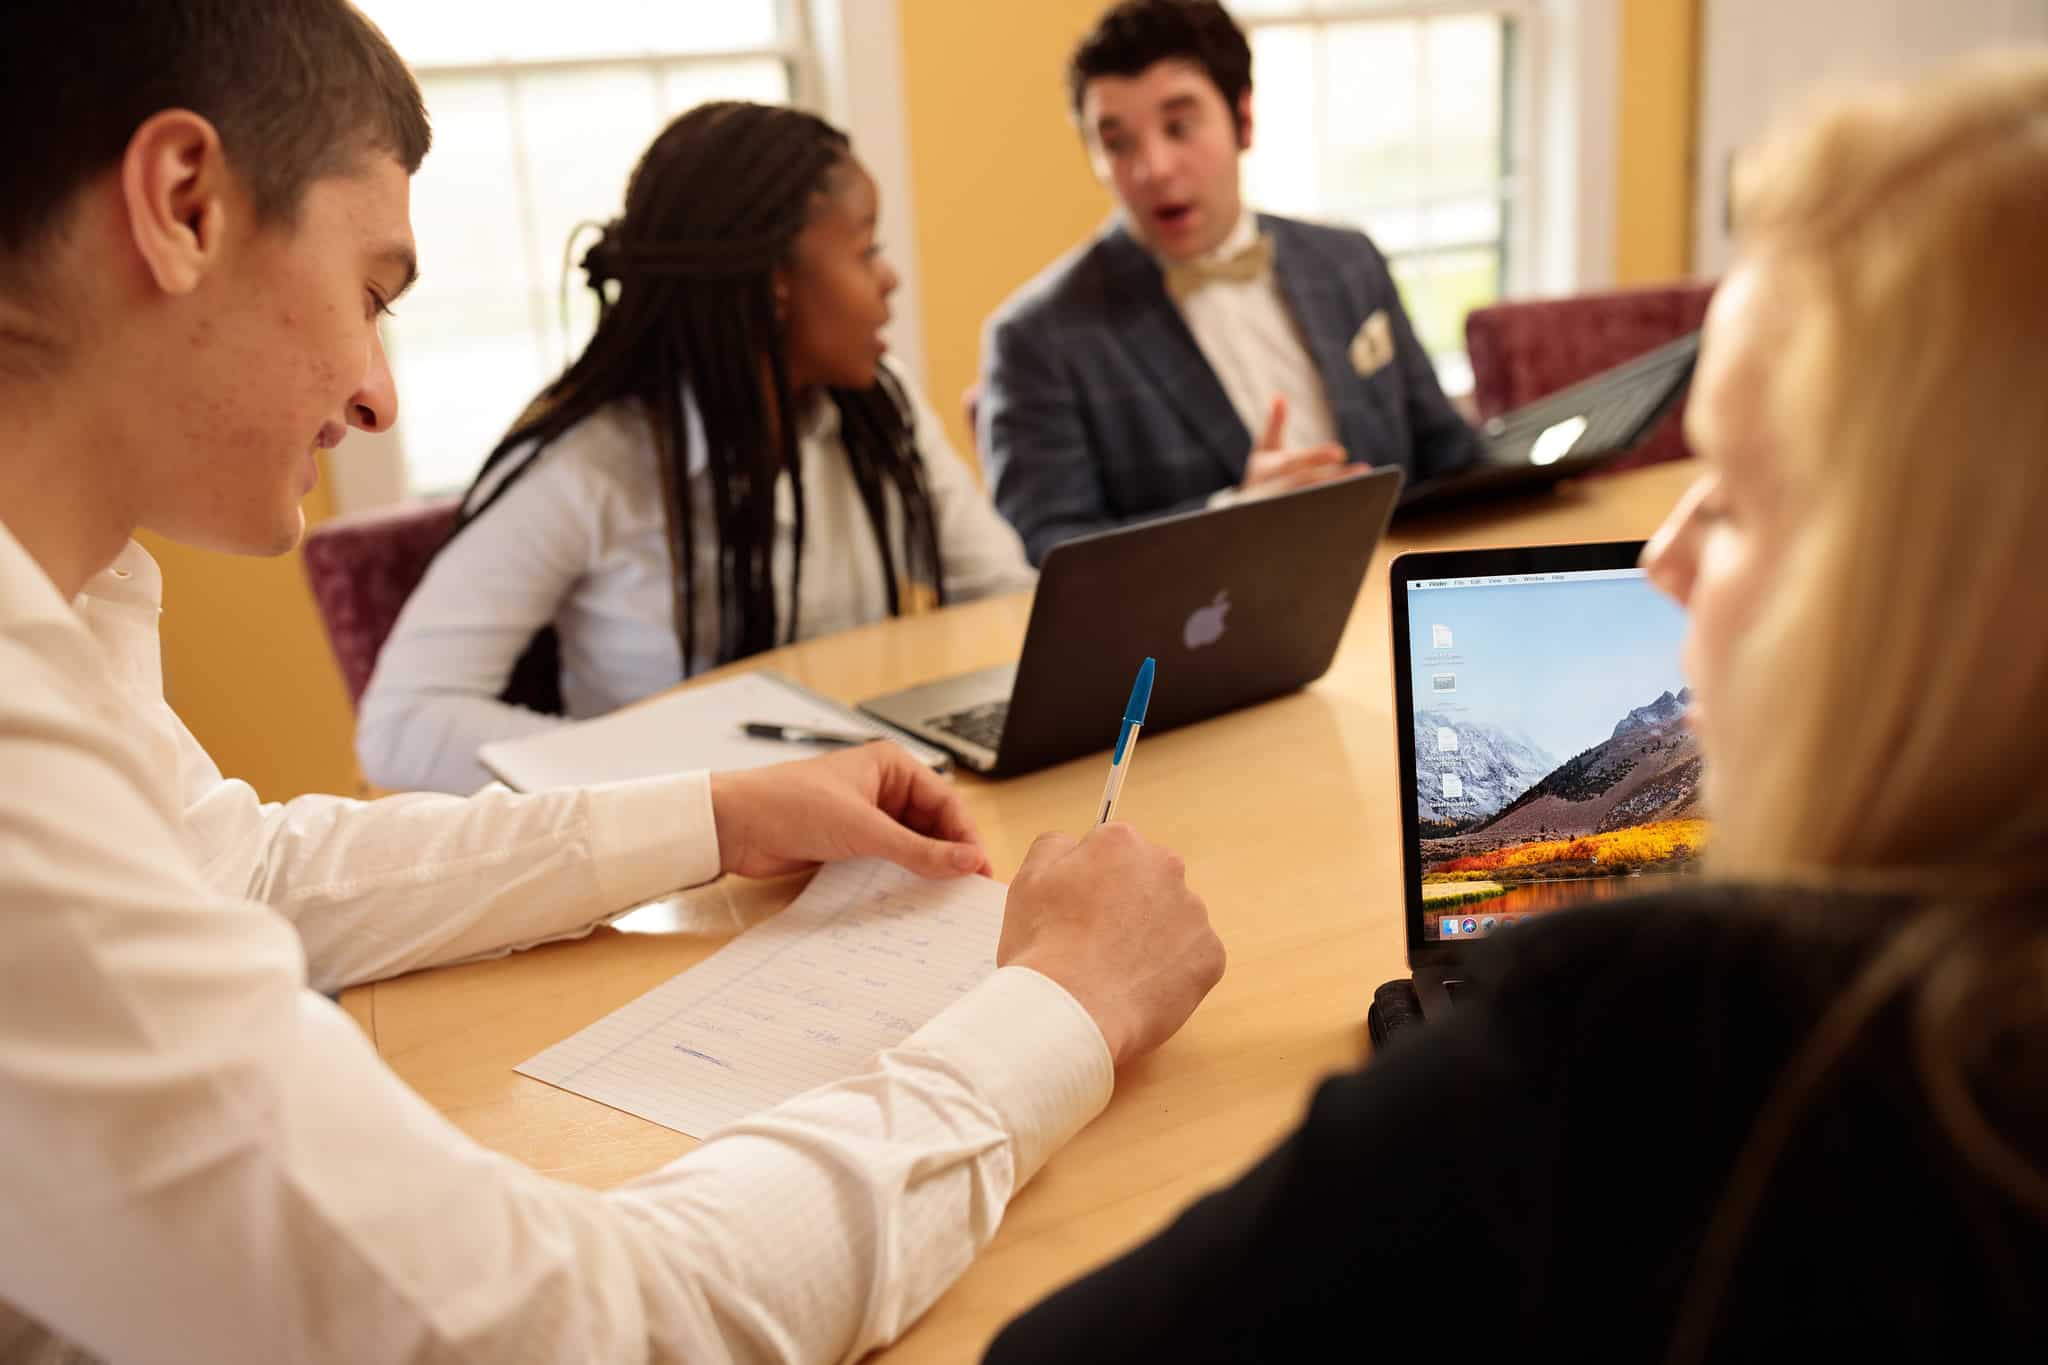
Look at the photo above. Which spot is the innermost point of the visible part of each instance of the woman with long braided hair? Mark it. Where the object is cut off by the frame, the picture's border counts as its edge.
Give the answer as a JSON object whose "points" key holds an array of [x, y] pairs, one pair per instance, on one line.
{"points": [[729, 465]]}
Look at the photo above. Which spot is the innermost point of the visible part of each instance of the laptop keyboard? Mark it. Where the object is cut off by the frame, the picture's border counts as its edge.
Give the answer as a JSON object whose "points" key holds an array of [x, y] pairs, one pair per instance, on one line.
{"points": [[1622, 421], [981, 724]]}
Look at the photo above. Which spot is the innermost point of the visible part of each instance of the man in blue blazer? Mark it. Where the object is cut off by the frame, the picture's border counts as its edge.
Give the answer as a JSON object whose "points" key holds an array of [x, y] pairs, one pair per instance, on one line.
{"points": [[1194, 352]]}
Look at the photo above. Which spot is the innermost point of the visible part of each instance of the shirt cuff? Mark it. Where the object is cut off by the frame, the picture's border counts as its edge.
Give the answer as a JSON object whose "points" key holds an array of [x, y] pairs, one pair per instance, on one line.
{"points": [[1046, 1080], [1223, 497], [652, 836]]}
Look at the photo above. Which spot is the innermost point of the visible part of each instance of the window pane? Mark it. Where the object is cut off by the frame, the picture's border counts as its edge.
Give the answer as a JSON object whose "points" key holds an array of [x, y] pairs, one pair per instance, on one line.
{"points": [[582, 132], [685, 85], [1441, 288], [1282, 173], [1394, 124], [1462, 56], [464, 337], [523, 155], [1466, 220], [1372, 149], [1247, 10], [520, 160], [433, 33], [460, 391]]}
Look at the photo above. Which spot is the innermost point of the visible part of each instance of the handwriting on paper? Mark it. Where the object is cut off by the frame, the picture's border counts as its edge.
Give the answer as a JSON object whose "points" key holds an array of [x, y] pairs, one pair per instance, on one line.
{"points": [[853, 966]]}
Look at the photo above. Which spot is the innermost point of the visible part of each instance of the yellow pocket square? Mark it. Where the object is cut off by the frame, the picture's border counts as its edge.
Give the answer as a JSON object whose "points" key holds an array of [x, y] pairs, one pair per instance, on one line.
{"points": [[1373, 347]]}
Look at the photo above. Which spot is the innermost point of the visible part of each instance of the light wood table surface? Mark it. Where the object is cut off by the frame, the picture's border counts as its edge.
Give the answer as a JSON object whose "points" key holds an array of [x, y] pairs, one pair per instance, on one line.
{"points": [[1286, 815]]}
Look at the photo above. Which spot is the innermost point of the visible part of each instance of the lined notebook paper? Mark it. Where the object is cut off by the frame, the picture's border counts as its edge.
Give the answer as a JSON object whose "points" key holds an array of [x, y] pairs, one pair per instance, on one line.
{"points": [[698, 728], [864, 957]]}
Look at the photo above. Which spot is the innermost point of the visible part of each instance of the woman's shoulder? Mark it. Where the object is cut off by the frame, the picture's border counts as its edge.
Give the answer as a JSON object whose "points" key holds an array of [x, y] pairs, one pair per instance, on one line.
{"points": [[614, 443], [612, 446], [598, 478], [1697, 913], [1782, 950]]}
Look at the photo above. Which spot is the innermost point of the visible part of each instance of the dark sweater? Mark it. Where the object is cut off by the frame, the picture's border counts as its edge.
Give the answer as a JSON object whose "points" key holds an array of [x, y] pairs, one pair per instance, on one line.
{"points": [[1531, 1177]]}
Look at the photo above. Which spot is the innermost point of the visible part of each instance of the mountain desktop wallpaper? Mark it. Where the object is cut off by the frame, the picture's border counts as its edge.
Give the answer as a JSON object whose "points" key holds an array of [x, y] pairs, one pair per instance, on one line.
{"points": [[1553, 762]]}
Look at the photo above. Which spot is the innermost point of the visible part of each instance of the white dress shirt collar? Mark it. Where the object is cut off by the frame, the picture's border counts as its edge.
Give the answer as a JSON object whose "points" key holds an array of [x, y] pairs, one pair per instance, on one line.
{"points": [[1247, 332], [1241, 236]]}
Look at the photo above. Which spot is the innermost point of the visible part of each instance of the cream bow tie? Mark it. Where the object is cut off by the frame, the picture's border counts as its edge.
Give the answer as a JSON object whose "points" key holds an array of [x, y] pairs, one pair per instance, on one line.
{"points": [[1243, 267]]}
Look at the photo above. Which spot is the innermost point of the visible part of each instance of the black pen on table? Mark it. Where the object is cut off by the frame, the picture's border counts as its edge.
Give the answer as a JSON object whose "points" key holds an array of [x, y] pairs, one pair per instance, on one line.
{"points": [[805, 734]]}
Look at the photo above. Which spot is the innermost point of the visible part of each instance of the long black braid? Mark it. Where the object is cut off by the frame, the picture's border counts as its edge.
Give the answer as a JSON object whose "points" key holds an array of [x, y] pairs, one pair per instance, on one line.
{"points": [[685, 286]]}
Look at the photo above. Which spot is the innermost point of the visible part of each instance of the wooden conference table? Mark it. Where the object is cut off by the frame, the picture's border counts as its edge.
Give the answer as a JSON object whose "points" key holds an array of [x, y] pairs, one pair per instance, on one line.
{"points": [[1285, 813]]}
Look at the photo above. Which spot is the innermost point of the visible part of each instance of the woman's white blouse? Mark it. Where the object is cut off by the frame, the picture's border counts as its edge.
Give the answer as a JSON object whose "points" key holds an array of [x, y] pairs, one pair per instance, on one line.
{"points": [[581, 541]]}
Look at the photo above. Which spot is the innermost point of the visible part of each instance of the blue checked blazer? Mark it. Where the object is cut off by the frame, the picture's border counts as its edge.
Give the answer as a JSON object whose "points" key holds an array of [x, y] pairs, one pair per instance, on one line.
{"points": [[1097, 407]]}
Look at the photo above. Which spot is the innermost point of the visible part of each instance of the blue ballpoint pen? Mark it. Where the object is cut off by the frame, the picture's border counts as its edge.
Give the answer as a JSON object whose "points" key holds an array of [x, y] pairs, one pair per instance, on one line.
{"points": [[1127, 740]]}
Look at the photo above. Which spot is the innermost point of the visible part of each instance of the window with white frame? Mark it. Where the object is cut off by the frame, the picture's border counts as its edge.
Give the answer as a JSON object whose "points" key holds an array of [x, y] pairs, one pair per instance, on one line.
{"points": [[1410, 120], [540, 110]]}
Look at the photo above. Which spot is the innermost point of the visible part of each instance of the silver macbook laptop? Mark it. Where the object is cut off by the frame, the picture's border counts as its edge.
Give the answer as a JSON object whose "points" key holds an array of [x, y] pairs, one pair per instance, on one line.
{"points": [[1237, 604], [1545, 760]]}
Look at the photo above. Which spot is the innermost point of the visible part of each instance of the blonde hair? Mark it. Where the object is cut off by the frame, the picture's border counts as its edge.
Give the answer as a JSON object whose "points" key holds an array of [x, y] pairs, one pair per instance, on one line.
{"points": [[1882, 707], [1883, 724]]}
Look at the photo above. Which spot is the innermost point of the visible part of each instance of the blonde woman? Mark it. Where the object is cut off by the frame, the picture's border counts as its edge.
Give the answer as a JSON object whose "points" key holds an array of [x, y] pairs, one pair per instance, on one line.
{"points": [[1800, 1111]]}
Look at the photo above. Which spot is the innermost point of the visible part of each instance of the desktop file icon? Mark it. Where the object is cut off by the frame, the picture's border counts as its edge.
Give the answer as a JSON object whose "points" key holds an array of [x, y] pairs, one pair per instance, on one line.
{"points": [[1439, 637]]}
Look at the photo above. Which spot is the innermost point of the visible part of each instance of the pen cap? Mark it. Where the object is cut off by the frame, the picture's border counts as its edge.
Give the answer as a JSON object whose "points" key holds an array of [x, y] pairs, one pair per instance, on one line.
{"points": [[1141, 694], [1134, 709]]}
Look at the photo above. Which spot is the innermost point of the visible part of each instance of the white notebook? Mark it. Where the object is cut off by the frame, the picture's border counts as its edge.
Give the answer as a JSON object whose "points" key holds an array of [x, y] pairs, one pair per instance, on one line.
{"points": [[695, 729], [856, 964]]}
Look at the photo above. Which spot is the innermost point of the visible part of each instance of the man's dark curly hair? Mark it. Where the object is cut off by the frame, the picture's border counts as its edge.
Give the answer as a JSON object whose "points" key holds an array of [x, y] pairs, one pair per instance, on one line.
{"points": [[1132, 36]]}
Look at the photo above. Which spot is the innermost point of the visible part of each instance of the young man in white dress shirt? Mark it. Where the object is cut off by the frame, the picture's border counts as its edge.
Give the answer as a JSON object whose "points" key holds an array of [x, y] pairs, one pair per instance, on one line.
{"points": [[206, 1160], [1194, 351]]}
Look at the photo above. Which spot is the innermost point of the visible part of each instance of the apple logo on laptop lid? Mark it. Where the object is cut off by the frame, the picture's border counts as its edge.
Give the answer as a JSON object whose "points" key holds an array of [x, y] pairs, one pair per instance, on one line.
{"points": [[1205, 624]]}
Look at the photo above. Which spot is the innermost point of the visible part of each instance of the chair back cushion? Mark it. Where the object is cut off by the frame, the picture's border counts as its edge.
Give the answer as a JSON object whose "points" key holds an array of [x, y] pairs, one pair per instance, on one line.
{"points": [[362, 569]]}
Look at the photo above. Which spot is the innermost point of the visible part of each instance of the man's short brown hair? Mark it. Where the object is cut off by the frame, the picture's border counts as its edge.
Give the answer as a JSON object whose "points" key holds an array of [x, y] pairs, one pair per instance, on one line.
{"points": [[1130, 37], [297, 89]]}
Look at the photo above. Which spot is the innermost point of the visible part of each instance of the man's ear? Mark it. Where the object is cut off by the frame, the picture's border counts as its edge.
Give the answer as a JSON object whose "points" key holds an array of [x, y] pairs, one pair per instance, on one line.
{"points": [[175, 187], [1244, 120]]}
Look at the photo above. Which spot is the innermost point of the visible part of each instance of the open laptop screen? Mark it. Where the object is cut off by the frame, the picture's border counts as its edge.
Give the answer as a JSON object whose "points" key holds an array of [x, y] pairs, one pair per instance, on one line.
{"points": [[1546, 760]]}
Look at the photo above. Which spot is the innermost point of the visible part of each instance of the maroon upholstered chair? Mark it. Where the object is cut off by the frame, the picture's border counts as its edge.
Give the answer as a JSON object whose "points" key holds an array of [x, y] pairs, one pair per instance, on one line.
{"points": [[362, 568], [1523, 350]]}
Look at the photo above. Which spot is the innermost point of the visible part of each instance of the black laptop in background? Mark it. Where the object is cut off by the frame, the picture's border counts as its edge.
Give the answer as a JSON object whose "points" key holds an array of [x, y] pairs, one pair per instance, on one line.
{"points": [[1545, 761], [1566, 433], [1237, 603]]}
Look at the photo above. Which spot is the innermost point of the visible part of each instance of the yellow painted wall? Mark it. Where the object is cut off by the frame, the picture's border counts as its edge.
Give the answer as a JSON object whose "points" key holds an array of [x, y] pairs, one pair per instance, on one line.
{"points": [[999, 182], [1654, 161], [246, 666]]}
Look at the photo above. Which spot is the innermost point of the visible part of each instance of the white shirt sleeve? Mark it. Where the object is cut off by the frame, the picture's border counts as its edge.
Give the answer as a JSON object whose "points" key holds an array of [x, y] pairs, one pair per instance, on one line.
{"points": [[979, 552], [432, 701], [212, 1163], [376, 888]]}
